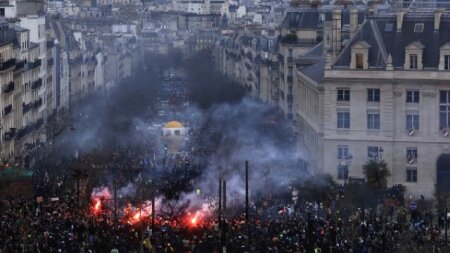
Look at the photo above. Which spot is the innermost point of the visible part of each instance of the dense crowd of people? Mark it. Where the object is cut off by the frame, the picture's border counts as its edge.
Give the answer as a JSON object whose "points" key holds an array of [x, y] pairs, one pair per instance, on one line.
{"points": [[56, 221]]}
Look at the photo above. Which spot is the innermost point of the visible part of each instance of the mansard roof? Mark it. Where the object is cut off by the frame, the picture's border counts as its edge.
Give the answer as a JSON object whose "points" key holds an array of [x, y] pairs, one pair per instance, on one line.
{"points": [[314, 18], [380, 32]]}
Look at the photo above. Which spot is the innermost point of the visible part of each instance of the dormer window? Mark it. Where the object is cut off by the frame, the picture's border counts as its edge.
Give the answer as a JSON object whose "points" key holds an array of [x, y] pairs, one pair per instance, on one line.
{"points": [[447, 62], [413, 56], [360, 55], [389, 27], [418, 27], [444, 59], [413, 61], [359, 60]]}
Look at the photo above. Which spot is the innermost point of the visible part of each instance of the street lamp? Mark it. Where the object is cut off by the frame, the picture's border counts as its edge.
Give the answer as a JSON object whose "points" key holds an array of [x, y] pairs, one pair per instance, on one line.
{"points": [[344, 163], [380, 153]]}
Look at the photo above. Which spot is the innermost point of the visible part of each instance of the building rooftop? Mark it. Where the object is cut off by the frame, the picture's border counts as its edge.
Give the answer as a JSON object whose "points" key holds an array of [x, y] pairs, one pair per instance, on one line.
{"points": [[380, 32]]}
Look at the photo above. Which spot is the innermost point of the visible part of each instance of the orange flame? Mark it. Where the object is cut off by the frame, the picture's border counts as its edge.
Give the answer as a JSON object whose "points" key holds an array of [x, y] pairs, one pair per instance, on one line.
{"points": [[194, 219], [97, 206]]}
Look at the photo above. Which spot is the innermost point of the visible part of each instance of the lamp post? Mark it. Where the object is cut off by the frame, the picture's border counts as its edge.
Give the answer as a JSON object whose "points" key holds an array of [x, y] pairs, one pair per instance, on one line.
{"points": [[380, 153], [344, 163]]}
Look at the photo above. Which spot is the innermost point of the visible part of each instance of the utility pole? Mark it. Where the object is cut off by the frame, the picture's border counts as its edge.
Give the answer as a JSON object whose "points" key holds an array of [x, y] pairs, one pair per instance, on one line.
{"points": [[246, 192], [219, 220], [224, 223], [224, 194], [140, 216], [153, 208], [247, 223], [78, 189], [446, 227], [115, 196]]}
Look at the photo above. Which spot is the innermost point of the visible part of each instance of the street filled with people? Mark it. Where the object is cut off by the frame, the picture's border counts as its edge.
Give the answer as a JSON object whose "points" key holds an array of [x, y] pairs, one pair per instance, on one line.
{"points": [[138, 196]]}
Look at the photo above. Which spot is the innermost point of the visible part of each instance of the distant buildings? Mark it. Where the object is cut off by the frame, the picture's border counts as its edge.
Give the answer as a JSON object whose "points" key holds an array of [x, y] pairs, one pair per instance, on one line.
{"points": [[202, 7], [47, 65]]}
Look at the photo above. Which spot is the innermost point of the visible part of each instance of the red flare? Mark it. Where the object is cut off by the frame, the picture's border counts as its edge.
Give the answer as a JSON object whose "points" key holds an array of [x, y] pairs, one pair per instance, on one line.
{"points": [[97, 206]]}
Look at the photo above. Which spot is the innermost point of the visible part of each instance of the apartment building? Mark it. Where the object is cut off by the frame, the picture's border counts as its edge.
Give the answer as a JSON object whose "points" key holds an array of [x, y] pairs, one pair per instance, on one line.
{"points": [[286, 67], [219, 7], [386, 98], [22, 100]]}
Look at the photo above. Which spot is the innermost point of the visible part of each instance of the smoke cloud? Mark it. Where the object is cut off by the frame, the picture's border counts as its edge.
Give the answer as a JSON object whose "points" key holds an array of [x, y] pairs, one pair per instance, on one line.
{"points": [[227, 129]]}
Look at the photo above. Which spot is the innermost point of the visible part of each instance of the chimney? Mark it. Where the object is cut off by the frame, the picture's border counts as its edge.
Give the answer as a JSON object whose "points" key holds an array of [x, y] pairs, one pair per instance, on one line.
{"points": [[353, 21], [437, 19], [327, 37], [336, 32], [400, 14], [389, 65]]}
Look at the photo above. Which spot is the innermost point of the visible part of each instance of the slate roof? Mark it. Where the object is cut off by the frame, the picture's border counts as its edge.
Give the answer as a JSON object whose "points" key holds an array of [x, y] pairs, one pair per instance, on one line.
{"points": [[314, 18], [313, 63], [381, 34]]}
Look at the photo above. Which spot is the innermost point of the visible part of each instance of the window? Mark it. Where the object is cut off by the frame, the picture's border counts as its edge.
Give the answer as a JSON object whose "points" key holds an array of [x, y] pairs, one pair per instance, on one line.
{"points": [[343, 120], [373, 120], [412, 121], [291, 52], [359, 60], [373, 95], [177, 132], [342, 172], [447, 62], [167, 133], [343, 95], [342, 151], [411, 155], [418, 28], [411, 175], [2, 12], [389, 27], [412, 96], [372, 152], [444, 109], [413, 61]]}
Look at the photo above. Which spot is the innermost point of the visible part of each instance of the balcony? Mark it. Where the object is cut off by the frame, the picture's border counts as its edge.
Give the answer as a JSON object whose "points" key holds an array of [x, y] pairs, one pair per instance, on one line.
{"points": [[37, 103], [37, 84], [38, 123], [7, 110], [20, 64], [26, 107], [24, 131], [36, 64], [7, 64], [10, 134], [7, 88]]}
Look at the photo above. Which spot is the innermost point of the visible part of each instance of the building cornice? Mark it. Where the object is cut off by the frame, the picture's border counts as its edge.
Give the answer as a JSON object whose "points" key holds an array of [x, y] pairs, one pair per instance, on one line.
{"points": [[382, 76]]}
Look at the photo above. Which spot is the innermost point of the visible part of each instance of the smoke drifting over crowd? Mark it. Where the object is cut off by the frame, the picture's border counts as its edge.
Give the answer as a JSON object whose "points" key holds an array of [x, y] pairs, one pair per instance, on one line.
{"points": [[111, 118], [250, 130], [227, 128]]}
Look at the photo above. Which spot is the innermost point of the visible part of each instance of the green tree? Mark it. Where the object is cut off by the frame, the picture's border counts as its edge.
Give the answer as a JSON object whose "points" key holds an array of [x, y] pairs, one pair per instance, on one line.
{"points": [[376, 173]]}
